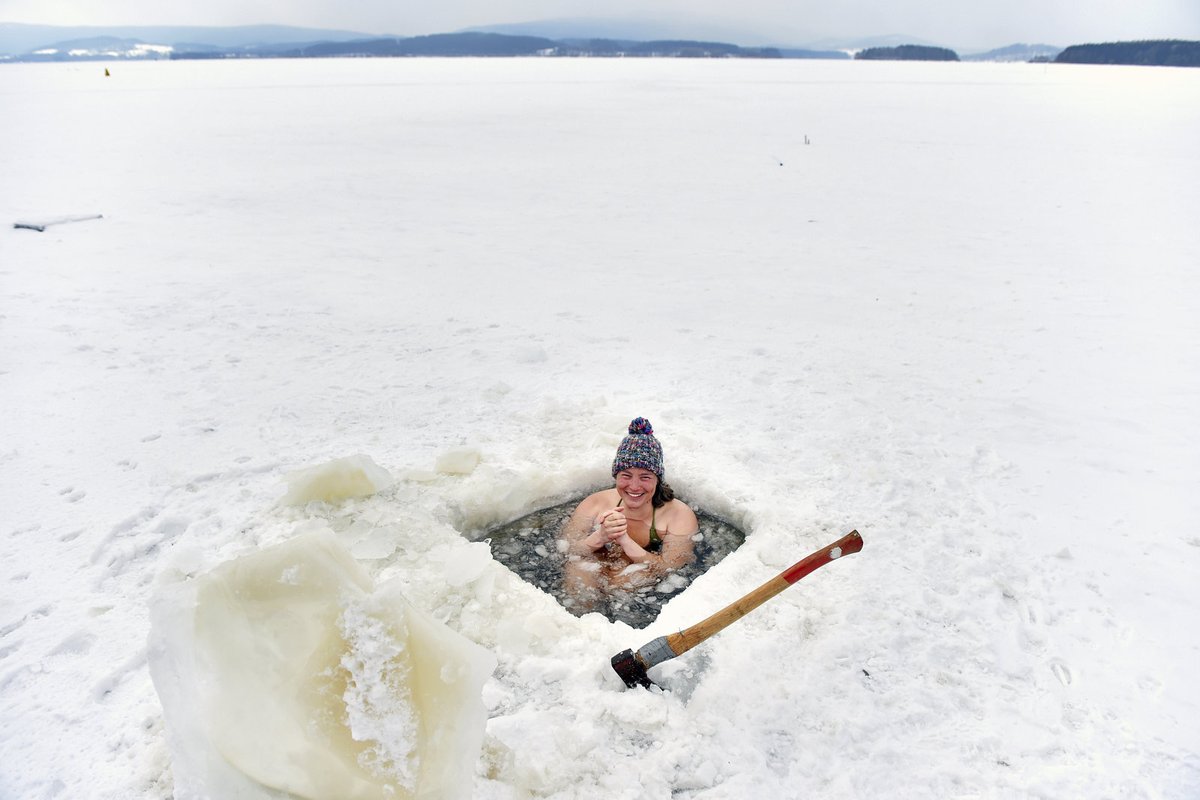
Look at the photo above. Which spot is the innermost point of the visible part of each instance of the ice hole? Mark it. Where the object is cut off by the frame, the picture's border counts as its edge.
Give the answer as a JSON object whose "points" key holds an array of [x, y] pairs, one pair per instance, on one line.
{"points": [[531, 548]]}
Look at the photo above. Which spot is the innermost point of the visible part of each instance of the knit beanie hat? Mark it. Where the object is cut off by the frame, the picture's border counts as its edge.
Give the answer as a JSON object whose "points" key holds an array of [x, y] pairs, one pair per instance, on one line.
{"points": [[639, 449]]}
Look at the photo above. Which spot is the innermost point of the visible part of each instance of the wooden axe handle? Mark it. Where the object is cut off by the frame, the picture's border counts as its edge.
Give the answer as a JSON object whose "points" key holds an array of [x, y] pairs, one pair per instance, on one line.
{"points": [[685, 640]]}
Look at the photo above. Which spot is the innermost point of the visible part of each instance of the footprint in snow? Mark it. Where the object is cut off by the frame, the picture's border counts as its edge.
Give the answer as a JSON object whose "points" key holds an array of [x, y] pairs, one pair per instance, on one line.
{"points": [[79, 643], [1031, 628], [1150, 685], [37, 613], [1062, 672]]}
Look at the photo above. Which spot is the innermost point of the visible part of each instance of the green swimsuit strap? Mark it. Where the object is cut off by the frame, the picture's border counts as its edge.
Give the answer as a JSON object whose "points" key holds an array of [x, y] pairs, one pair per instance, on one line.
{"points": [[654, 537]]}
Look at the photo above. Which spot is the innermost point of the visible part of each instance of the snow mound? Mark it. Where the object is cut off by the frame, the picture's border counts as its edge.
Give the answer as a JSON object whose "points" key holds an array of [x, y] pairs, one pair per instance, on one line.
{"points": [[287, 670], [340, 479]]}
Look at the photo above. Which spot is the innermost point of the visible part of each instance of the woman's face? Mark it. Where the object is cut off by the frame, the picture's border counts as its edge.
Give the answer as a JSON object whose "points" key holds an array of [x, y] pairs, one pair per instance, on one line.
{"points": [[636, 486]]}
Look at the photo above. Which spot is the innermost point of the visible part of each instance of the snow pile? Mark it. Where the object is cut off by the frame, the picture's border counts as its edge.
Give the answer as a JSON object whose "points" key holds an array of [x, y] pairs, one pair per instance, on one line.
{"points": [[288, 670]]}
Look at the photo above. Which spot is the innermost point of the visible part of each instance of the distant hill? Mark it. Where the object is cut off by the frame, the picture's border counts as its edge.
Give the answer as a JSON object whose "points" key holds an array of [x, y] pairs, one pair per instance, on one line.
{"points": [[495, 44], [1017, 52], [666, 48], [33, 43], [98, 48], [907, 52], [630, 29], [17, 38], [1159, 53], [441, 44], [274, 42], [647, 38]]}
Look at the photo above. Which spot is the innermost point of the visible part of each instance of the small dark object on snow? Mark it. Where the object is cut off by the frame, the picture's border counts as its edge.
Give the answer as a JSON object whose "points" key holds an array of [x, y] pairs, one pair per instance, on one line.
{"points": [[41, 226]]}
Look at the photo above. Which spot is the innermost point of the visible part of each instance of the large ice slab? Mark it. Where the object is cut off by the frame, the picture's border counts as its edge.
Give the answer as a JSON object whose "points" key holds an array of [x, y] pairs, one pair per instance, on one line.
{"points": [[340, 479], [288, 671]]}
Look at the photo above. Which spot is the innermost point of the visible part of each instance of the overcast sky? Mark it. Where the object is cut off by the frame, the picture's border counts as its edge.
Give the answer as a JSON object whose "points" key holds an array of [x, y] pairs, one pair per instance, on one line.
{"points": [[953, 23]]}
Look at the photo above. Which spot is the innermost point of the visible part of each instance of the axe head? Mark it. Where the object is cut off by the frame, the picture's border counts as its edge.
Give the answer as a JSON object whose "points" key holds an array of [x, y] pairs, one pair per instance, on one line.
{"points": [[631, 669]]}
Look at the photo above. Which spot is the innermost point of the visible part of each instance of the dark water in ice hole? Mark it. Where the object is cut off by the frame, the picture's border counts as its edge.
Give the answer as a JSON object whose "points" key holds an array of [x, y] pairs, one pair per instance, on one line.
{"points": [[528, 546]]}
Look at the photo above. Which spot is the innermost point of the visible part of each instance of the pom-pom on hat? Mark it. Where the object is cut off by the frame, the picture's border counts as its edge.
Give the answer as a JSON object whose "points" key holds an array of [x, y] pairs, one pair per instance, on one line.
{"points": [[639, 449]]}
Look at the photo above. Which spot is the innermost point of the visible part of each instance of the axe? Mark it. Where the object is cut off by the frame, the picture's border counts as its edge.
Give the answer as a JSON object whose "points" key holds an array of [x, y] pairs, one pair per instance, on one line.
{"points": [[631, 666]]}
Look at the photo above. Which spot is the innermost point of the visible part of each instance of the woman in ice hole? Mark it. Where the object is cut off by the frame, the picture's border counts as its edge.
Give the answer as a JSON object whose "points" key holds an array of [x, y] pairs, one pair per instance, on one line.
{"points": [[634, 533]]}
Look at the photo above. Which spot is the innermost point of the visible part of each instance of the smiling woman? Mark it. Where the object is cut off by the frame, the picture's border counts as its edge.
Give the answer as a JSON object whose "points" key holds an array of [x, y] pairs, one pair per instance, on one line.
{"points": [[634, 532]]}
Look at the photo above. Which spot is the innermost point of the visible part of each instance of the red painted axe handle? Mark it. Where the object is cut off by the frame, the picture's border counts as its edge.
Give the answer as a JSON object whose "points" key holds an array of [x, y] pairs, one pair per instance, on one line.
{"points": [[687, 639]]}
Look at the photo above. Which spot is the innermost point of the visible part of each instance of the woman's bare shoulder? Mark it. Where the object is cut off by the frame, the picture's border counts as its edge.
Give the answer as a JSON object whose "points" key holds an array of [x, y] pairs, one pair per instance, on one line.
{"points": [[680, 518]]}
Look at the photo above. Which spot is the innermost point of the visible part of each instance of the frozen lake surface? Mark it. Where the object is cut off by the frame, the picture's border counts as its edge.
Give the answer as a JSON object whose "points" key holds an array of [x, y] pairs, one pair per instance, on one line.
{"points": [[953, 306]]}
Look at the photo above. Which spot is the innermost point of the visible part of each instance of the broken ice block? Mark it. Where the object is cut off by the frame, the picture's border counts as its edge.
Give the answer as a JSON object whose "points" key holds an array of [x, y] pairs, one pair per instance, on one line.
{"points": [[287, 670], [340, 479]]}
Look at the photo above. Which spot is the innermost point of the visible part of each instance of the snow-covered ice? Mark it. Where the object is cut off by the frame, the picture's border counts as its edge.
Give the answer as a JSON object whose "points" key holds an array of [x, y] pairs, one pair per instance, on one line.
{"points": [[962, 319]]}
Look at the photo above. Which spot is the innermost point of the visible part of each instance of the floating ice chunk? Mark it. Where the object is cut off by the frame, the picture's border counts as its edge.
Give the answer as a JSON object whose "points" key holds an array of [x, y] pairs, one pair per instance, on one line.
{"points": [[466, 562], [379, 543], [460, 461], [321, 686], [340, 479], [672, 583]]}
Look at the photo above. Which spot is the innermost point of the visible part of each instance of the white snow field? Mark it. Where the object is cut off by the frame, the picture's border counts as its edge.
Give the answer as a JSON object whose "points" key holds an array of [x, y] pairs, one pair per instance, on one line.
{"points": [[953, 306]]}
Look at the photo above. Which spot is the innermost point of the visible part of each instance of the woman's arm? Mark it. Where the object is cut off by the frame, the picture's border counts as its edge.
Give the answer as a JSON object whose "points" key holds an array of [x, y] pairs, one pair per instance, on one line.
{"points": [[582, 533]]}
